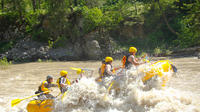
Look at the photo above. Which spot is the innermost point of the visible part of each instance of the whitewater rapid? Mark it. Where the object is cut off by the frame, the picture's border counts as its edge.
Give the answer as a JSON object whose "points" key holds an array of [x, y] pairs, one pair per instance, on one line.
{"points": [[88, 96], [128, 94]]}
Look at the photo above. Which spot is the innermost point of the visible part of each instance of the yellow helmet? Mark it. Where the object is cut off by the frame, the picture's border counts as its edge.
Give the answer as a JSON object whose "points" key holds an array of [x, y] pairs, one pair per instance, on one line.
{"points": [[79, 71], [108, 59], [132, 49], [63, 73]]}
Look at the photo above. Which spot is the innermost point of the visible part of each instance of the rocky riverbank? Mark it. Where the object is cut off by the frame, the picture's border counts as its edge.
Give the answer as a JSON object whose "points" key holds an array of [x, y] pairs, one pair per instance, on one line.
{"points": [[27, 50]]}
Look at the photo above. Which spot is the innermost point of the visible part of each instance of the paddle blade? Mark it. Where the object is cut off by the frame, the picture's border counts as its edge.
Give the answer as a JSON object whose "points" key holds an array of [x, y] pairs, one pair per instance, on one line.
{"points": [[110, 86], [75, 68], [64, 95], [15, 102], [58, 94], [108, 90], [105, 98]]}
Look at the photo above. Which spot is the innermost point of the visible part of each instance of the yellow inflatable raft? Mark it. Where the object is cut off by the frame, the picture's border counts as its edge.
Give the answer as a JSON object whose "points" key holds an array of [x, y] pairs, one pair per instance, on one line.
{"points": [[40, 106], [162, 69]]}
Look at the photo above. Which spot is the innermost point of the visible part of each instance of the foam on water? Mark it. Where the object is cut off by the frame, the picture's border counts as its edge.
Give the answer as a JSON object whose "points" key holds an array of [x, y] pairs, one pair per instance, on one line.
{"points": [[128, 94], [132, 96]]}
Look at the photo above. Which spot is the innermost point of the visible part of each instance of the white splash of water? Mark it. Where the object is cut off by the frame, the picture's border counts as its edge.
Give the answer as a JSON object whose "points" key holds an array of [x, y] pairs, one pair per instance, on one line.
{"points": [[128, 94]]}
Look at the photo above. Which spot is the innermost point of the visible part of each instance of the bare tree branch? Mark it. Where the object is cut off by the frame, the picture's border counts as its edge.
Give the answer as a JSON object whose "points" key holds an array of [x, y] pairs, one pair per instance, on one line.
{"points": [[166, 21]]}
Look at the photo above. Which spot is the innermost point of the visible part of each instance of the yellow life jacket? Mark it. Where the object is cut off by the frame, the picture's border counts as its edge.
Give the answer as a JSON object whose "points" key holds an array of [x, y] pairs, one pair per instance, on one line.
{"points": [[43, 88], [103, 67], [67, 81]]}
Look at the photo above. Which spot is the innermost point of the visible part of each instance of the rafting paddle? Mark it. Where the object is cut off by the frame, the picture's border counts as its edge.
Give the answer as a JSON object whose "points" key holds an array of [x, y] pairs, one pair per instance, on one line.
{"points": [[65, 93], [108, 90], [17, 101], [75, 68], [111, 84]]}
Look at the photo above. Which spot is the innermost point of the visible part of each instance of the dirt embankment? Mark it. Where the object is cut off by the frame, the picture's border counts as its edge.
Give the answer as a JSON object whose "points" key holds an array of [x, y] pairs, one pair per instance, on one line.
{"points": [[194, 51]]}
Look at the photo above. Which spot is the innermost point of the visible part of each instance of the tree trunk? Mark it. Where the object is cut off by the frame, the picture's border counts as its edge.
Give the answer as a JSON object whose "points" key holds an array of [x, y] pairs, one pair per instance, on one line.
{"points": [[14, 5], [19, 8], [39, 2], [166, 21], [105, 42], [75, 2], [2, 5], [71, 5], [34, 5], [136, 11]]}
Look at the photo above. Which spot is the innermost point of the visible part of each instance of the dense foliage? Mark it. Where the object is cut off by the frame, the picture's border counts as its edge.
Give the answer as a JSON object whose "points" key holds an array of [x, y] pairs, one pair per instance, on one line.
{"points": [[165, 23]]}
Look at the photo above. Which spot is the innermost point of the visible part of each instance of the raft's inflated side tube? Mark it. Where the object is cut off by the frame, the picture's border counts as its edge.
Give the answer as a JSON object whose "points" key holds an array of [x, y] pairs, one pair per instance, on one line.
{"points": [[159, 68], [40, 106]]}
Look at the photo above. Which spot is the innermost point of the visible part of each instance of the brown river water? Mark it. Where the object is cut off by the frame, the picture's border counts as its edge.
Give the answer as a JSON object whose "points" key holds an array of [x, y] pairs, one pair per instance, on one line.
{"points": [[182, 93]]}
